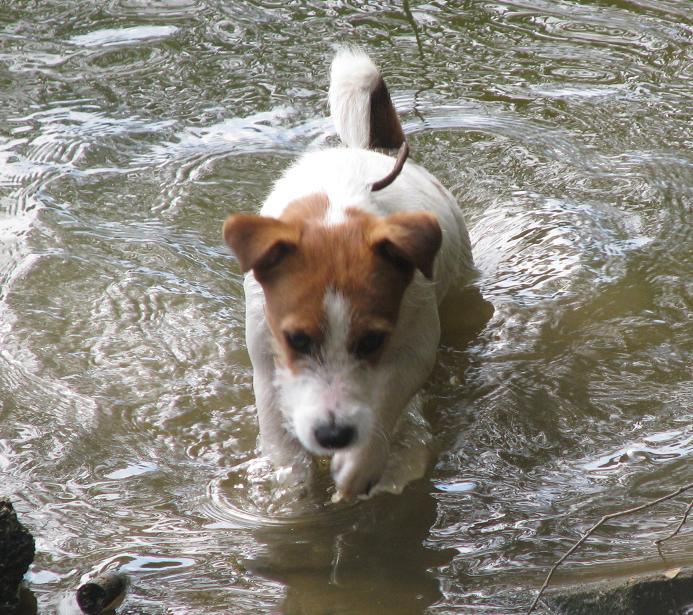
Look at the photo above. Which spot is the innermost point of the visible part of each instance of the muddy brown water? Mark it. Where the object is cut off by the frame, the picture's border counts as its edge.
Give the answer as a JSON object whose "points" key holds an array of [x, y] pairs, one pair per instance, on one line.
{"points": [[129, 130]]}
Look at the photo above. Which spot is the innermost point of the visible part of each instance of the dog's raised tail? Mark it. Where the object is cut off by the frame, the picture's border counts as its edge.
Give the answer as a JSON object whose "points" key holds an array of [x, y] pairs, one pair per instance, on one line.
{"points": [[360, 105]]}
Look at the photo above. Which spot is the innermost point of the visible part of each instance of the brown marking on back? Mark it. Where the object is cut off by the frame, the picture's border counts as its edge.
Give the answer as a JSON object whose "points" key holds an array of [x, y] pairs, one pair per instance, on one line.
{"points": [[308, 208], [385, 129]]}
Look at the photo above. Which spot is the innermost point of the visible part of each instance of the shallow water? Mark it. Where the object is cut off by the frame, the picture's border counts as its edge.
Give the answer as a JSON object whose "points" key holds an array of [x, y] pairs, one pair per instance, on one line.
{"points": [[131, 129]]}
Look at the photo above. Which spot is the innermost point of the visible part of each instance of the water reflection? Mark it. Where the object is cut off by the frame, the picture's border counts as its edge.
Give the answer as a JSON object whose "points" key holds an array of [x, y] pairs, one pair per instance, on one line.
{"points": [[374, 560]]}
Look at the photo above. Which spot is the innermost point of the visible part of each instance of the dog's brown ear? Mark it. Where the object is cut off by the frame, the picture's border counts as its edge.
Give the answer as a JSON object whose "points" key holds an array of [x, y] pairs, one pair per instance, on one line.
{"points": [[409, 240], [259, 243]]}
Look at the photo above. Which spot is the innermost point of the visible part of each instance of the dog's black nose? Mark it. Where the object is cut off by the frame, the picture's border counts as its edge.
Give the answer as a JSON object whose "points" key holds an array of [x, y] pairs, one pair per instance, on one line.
{"points": [[334, 436]]}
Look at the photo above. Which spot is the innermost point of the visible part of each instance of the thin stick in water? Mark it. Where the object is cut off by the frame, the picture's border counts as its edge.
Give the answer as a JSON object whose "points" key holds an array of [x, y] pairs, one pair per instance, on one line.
{"points": [[594, 528], [678, 527]]}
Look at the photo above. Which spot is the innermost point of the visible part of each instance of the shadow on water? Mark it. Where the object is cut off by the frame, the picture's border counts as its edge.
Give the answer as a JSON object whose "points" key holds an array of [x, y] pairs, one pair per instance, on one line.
{"points": [[463, 315], [373, 560]]}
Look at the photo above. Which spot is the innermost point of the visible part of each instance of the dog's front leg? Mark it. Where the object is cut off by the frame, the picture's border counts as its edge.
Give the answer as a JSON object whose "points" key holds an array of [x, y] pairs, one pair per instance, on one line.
{"points": [[275, 442], [358, 469]]}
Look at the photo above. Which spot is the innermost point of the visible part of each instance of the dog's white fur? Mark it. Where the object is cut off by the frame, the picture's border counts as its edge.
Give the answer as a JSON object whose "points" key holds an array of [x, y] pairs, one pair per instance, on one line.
{"points": [[371, 398]]}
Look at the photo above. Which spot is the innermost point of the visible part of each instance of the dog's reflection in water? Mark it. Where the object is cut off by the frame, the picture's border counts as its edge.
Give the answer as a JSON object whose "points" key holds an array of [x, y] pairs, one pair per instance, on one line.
{"points": [[367, 558]]}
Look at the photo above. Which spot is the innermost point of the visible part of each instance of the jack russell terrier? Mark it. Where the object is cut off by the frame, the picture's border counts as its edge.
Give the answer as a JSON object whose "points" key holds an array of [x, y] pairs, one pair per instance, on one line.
{"points": [[346, 268]]}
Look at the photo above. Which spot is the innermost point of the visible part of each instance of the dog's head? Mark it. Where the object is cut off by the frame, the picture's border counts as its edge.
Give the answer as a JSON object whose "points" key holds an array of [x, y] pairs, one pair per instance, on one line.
{"points": [[332, 301]]}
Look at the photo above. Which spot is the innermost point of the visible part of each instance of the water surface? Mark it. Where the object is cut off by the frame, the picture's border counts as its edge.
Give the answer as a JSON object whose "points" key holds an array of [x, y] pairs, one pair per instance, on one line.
{"points": [[131, 129]]}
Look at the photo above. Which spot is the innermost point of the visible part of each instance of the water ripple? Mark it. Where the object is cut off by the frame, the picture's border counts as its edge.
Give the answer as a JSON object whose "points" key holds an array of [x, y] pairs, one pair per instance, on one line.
{"points": [[123, 36]]}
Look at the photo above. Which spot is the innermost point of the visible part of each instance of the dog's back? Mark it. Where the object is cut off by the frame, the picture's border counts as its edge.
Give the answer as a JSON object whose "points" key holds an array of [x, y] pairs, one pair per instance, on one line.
{"points": [[365, 119]]}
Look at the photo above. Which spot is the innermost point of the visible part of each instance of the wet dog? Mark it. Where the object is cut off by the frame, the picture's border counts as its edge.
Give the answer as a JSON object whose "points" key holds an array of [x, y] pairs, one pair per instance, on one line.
{"points": [[346, 266]]}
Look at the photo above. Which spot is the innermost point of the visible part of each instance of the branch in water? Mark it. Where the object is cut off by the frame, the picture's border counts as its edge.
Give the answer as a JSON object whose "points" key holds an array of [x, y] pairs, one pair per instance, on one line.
{"points": [[604, 519]]}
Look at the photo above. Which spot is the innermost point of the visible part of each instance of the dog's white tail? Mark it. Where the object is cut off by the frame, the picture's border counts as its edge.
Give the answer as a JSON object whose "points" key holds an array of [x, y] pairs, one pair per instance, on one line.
{"points": [[360, 104]]}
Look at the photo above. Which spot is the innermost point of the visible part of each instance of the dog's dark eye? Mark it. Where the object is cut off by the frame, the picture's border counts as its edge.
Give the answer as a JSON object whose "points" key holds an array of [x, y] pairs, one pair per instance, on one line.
{"points": [[299, 341], [369, 343]]}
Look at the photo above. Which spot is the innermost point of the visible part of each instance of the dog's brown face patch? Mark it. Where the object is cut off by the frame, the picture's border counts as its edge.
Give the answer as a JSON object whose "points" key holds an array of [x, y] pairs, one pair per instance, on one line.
{"points": [[369, 261]]}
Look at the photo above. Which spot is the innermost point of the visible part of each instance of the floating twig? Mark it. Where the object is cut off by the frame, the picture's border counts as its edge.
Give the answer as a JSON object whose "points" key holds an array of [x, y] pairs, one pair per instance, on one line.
{"points": [[678, 527], [604, 519]]}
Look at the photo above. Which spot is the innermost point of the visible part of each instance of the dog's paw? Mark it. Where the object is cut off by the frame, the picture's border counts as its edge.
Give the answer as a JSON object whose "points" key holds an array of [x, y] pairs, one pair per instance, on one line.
{"points": [[356, 471]]}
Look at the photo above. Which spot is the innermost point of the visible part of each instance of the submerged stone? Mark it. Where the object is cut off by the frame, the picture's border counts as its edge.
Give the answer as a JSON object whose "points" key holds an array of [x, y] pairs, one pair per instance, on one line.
{"points": [[660, 594]]}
